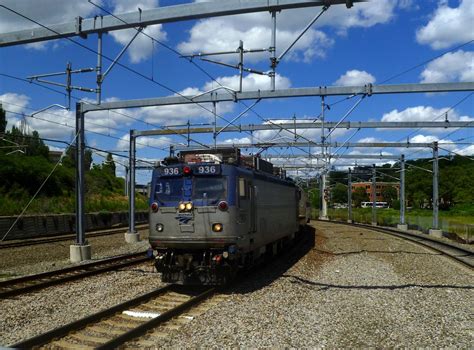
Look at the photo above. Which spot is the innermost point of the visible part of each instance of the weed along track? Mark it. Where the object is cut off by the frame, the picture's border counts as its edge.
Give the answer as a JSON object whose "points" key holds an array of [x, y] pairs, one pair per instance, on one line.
{"points": [[127, 321]]}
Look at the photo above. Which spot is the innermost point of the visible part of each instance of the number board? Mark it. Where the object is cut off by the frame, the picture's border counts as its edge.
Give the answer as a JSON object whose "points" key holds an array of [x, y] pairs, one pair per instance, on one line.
{"points": [[207, 170], [170, 171]]}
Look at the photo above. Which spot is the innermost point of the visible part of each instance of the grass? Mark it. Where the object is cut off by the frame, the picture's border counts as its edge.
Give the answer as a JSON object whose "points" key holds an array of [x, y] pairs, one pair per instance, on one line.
{"points": [[459, 221], [63, 204]]}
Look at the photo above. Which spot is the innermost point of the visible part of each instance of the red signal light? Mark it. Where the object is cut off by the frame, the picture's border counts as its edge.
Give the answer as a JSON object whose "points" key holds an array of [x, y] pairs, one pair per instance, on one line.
{"points": [[186, 170], [154, 207], [223, 206]]}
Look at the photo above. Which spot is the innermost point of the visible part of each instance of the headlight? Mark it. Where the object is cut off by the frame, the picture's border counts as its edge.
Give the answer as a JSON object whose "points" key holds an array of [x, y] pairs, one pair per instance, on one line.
{"points": [[217, 227], [159, 227], [181, 206], [189, 206]]}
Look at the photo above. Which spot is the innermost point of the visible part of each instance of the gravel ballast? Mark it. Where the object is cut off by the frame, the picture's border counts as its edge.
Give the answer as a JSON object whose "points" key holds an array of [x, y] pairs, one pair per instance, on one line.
{"points": [[353, 288]]}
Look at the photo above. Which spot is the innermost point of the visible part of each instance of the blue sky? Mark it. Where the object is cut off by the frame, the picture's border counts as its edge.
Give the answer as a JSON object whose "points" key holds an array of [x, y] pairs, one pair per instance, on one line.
{"points": [[368, 43]]}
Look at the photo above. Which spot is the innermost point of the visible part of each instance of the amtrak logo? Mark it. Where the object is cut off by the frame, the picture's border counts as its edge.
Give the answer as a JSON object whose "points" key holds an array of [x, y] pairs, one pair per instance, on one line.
{"points": [[184, 218]]}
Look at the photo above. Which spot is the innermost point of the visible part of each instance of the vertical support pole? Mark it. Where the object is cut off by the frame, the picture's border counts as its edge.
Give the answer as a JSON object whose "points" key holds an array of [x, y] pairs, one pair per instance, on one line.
{"points": [[402, 225], [132, 236], [435, 231], [241, 64], [214, 111], [273, 51], [127, 180], [68, 86], [324, 192], [374, 196], [189, 131], [80, 250], [349, 196], [99, 68]]}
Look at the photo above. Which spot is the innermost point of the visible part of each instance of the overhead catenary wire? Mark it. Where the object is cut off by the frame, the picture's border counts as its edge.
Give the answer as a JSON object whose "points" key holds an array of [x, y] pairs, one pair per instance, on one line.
{"points": [[117, 63], [179, 54], [91, 131], [87, 102]]}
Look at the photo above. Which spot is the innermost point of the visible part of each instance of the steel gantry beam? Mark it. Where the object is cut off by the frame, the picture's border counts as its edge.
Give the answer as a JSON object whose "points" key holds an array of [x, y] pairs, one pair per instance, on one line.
{"points": [[283, 93], [142, 18], [321, 156], [328, 144], [308, 125]]}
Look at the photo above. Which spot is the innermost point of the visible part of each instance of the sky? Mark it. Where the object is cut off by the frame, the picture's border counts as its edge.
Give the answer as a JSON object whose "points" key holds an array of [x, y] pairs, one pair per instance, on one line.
{"points": [[377, 42]]}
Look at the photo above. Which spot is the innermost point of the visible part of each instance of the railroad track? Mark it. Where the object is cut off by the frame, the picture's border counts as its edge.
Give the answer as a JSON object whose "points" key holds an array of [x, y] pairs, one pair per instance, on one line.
{"points": [[31, 283], [33, 241], [162, 310], [463, 255]]}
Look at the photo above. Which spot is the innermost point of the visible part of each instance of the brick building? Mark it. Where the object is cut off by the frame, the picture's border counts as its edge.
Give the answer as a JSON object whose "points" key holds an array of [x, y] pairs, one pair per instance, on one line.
{"points": [[380, 186]]}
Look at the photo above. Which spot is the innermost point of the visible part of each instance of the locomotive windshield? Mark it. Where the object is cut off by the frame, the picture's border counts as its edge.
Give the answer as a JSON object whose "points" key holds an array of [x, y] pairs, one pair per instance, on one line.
{"points": [[211, 188], [169, 190]]}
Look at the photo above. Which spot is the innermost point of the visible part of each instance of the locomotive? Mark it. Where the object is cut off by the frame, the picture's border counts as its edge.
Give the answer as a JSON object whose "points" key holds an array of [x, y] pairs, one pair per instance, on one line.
{"points": [[215, 212]]}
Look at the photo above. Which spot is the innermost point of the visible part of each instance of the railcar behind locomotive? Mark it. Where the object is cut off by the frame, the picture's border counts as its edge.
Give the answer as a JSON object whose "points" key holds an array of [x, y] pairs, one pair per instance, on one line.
{"points": [[213, 212]]}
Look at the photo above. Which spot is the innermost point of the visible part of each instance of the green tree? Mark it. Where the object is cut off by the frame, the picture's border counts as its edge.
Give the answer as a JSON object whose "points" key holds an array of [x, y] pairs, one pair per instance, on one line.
{"points": [[389, 194], [109, 164], [339, 193], [70, 159], [359, 195], [3, 120]]}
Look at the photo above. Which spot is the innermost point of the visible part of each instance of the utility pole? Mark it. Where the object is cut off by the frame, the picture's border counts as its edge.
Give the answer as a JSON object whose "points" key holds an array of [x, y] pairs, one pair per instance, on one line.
{"points": [[374, 196], [324, 191], [132, 235], [349, 196], [435, 231], [80, 250], [402, 225]]}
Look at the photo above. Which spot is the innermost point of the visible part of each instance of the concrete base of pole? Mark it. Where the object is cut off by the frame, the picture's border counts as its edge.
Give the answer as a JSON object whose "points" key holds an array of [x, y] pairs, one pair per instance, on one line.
{"points": [[374, 224], [435, 233], [324, 218], [350, 221], [132, 237], [403, 227], [78, 253]]}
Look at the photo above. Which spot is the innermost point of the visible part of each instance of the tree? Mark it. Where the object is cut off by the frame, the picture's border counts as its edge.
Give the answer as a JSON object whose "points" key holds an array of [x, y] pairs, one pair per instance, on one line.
{"points": [[70, 158], [109, 164], [339, 193], [389, 194], [3, 120], [359, 195]]}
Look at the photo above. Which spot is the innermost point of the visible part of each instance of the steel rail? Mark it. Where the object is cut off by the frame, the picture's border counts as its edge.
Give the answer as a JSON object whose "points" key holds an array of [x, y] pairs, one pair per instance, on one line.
{"points": [[131, 334], [31, 283], [462, 255], [65, 237]]}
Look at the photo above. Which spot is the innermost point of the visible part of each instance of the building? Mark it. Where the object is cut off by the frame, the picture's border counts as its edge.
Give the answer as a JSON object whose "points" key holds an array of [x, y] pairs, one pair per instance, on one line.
{"points": [[379, 187]]}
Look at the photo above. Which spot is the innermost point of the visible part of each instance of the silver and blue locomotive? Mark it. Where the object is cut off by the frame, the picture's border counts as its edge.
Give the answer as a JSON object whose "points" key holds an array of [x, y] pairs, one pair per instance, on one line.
{"points": [[215, 212]]}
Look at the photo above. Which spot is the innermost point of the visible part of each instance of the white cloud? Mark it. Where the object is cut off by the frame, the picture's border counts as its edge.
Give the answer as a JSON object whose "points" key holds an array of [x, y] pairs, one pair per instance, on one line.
{"points": [[142, 47], [355, 77], [180, 114], [223, 34], [465, 151], [47, 13], [251, 82], [423, 113], [453, 66], [448, 26], [162, 142]]}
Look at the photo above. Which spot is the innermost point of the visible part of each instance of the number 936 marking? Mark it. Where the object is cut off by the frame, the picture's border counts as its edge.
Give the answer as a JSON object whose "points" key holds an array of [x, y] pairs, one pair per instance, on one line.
{"points": [[207, 169], [171, 171]]}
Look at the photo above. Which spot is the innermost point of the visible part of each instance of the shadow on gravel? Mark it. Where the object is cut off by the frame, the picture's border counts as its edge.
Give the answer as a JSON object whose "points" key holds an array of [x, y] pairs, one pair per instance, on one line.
{"points": [[271, 270], [326, 286], [374, 251]]}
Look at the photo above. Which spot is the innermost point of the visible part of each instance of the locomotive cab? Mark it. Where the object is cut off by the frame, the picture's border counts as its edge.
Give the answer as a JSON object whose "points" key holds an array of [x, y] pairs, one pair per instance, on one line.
{"points": [[207, 217]]}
